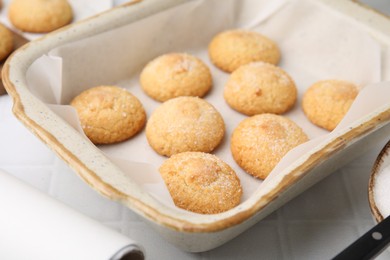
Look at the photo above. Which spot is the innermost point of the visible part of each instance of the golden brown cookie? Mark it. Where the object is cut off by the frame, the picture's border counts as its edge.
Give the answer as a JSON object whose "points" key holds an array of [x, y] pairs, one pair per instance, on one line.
{"points": [[231, 49], [6, 42], [185, 124], [174, 75], [260, 87], [259, 142], [109, 114], [326, 102], [39, 16], [201, 182]]}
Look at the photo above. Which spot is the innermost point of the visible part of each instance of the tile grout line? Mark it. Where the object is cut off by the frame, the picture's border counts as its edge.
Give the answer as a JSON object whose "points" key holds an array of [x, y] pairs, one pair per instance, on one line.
{"points": [[12, 168], [53, 178], [29, 166], [282, 226], [352, 201], [123, 220]]}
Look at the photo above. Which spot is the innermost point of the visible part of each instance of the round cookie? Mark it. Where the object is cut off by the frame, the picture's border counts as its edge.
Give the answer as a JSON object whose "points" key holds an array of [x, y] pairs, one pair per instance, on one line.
{"points": [[174, 75], [109, 114], [231, 49], [201, 182], [185, 124], [39, 16], [260, 87], [6, 42], [259, 142], [326, 102]]}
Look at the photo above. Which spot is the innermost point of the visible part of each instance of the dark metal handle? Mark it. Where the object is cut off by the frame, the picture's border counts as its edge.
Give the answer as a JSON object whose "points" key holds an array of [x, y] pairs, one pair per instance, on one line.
{"points": [[370, 244]]}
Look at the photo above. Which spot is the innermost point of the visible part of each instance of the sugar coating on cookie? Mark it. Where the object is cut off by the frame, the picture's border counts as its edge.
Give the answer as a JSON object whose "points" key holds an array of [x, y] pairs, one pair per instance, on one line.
{"points": [[174, 75], [201, 182], [231, 49], [185, 124], [39, 16], [260, 87], [6, 42], [326, 102], [109, 114], [259, 142]]}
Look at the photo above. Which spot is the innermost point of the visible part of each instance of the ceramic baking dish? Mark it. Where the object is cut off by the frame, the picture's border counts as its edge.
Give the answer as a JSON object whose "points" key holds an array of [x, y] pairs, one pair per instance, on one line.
{"points": [[189, 231]]}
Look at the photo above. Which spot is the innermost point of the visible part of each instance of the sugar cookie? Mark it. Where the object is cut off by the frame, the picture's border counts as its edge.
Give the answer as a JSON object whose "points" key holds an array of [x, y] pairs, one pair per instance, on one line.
{"points": [[185, 124], [260, 87], [201, 182], [39, 16], [326, 102], [231, 49], [174, 75], [259, 142], [109, 114], [6, 42]]}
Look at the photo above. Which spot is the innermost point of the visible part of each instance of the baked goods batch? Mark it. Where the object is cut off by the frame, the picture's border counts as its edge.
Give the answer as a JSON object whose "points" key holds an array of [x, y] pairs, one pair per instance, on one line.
{"points": [[186, 128]]}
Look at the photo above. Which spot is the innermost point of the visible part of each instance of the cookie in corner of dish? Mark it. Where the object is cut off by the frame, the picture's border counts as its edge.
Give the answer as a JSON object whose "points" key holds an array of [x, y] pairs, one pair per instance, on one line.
{"points": [[201, 182], [326, 102]]}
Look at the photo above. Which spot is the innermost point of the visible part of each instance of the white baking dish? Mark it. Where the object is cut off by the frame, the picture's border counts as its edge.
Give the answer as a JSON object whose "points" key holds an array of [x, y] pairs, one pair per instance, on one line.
{"points": [[189, 231]]}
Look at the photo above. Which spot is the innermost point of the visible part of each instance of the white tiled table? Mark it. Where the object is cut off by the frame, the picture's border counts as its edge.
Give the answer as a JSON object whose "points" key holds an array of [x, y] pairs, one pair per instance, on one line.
{"points": [[316, 225]]}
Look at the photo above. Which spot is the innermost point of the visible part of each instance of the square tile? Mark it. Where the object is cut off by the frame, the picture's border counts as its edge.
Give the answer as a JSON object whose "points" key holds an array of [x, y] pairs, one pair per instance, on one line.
{"points": [[272, 217], [117, 226], [38, 177], [22, 147], [368, 158], [356, 181], [384, 255], [72, 190], [255, 243], [129, 215], [320, 240], [380, 5], [154, 245], [325, 200]]}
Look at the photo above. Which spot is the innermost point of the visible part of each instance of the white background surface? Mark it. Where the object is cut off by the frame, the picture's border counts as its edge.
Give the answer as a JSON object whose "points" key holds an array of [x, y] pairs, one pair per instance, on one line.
{"points": [[316, 225]]}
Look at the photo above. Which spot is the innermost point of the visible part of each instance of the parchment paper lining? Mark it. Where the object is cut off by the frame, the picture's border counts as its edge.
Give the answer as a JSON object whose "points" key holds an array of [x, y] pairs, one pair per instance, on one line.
{"points": [[316, 43]]}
